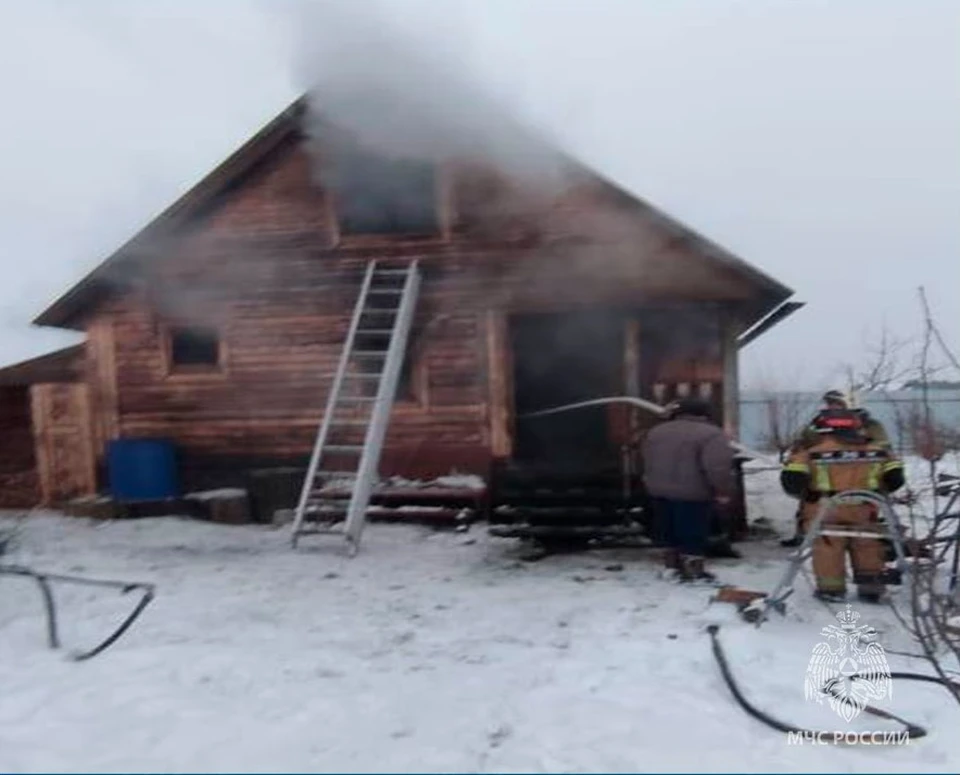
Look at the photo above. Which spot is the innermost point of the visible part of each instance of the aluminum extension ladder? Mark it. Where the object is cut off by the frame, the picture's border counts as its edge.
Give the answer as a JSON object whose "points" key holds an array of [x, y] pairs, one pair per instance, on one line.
{"points": [[341, 476], [890, 528]]}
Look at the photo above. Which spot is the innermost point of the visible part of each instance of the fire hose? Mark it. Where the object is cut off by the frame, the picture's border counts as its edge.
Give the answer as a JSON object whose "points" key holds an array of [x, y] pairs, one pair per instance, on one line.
{"points": [[648, 406], [831, 687], [49, 602]]}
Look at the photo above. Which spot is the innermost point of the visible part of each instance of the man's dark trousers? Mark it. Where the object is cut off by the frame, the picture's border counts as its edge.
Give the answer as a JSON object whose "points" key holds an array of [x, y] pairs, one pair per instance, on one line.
{"points": [[684, 525]]}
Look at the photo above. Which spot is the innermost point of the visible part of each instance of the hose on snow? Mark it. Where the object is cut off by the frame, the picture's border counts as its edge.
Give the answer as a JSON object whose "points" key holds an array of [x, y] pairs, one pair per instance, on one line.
{"points": [[912, 731], [49, 602]]}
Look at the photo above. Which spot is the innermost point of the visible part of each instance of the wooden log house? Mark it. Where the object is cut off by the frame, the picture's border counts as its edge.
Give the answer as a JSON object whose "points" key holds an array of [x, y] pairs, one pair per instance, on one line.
{"points": [[214, 325]]}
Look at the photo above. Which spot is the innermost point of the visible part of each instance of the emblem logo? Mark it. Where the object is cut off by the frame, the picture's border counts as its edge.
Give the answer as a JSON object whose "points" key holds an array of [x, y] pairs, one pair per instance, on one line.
{"points": [[849, 669]]}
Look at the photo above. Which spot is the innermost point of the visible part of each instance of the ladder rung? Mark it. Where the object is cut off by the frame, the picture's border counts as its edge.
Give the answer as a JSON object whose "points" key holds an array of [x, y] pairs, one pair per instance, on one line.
{"points": [[350, 399], [370, 353], [349, 422], [852, 529], [343, 448], [380, 331], [321, 509], [850, 534], [379, 311], [354, 375], [317, 531], [391, 271], [336, 474], [385, 291]]}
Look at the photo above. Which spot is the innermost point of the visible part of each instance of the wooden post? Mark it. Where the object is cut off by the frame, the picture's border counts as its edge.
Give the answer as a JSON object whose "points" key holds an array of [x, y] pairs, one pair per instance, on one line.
{"points": [[498, 355], [631, 361], [732, 328], [731, 375], [39, 415], [632, 358], [102, 378]]}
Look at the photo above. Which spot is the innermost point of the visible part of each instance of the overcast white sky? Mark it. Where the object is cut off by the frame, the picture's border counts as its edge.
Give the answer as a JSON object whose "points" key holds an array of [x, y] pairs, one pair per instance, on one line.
{"points": [[820, 140]]}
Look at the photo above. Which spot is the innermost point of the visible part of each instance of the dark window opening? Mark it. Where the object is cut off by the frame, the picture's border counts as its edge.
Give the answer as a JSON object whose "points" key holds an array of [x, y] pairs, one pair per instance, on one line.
{"points": [[374, 195], [194, 347]]}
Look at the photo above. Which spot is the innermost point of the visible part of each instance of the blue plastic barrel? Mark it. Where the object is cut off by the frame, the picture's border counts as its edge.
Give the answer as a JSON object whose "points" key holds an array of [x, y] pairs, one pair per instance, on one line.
{"points": [[142, 469]]}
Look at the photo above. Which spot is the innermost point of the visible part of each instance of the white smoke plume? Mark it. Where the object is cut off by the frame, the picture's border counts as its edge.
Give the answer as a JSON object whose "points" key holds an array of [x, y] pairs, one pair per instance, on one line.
{"points": [[406, 93]]}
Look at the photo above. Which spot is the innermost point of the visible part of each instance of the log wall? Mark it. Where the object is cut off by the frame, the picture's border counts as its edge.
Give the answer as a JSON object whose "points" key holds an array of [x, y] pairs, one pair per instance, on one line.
{"points": [[268, 270], [19, 487]]}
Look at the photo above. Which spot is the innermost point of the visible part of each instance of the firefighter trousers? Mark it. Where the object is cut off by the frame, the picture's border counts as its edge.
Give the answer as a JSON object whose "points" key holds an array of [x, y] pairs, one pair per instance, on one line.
{"points": [[830, 552]]}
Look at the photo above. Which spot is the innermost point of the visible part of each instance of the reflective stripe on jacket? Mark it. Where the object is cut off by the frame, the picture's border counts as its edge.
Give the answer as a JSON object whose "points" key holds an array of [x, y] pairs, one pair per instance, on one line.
{"points": [[834, 465]]}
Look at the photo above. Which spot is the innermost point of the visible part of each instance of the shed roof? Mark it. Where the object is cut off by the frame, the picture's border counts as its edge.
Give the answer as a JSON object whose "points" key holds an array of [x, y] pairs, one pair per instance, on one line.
{"points": [[64, 365]]}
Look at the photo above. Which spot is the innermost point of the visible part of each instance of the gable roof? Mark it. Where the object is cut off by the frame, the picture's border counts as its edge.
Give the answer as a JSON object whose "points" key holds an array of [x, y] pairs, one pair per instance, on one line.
{"points": [[62, 313]]}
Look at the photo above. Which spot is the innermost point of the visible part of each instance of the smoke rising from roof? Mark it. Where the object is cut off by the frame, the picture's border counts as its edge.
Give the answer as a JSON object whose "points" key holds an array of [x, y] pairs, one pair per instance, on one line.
{"points": [[408, 94]]}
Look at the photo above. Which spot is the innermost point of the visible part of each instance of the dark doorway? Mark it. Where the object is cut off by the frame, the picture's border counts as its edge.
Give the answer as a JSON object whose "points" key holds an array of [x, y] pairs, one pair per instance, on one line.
{"points": [[562, 359]]}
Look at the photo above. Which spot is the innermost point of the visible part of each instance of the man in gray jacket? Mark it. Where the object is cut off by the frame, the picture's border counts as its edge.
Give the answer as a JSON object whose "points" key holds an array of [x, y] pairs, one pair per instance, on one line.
{"points": [[688, 473]]}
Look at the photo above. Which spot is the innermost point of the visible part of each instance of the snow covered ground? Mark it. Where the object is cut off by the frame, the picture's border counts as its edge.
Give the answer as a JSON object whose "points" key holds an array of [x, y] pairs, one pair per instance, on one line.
{"points": [[428, 652]]}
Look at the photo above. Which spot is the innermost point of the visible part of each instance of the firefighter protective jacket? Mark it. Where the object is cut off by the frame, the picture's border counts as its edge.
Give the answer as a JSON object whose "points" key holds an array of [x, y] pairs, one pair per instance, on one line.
{"points": [[835, 465]]}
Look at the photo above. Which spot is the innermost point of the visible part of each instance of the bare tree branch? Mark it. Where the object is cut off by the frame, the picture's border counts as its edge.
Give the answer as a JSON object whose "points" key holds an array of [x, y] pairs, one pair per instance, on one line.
{"points": [[891, 362], [931, 610], [935, 330]]}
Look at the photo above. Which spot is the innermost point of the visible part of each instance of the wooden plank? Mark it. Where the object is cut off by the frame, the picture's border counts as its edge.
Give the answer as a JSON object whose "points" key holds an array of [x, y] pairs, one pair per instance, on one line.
{"points": [[632, 346], [39, 400], [631, 357], [84, 433], [498, 366], [730, 352], [102, 378]]}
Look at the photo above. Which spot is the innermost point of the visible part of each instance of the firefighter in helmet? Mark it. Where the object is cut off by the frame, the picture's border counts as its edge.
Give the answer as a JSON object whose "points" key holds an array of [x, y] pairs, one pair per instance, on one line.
{"points": [[833, 401], [844, 457]]}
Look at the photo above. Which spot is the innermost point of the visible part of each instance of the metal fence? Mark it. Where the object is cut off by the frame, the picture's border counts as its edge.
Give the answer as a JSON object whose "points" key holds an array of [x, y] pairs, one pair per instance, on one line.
{"points": [[896, 410]]}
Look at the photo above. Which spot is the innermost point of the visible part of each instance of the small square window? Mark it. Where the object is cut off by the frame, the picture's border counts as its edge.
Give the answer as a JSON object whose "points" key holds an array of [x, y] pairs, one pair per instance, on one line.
{"points": [[194, 348]]}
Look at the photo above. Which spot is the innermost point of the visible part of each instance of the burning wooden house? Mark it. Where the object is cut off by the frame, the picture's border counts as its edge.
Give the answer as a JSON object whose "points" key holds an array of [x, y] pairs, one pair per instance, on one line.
{"points": [[221, 326]]}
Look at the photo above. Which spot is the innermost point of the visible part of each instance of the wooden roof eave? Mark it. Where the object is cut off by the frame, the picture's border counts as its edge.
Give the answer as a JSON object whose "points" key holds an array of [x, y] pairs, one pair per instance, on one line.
{"points": [[64, 365]]}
